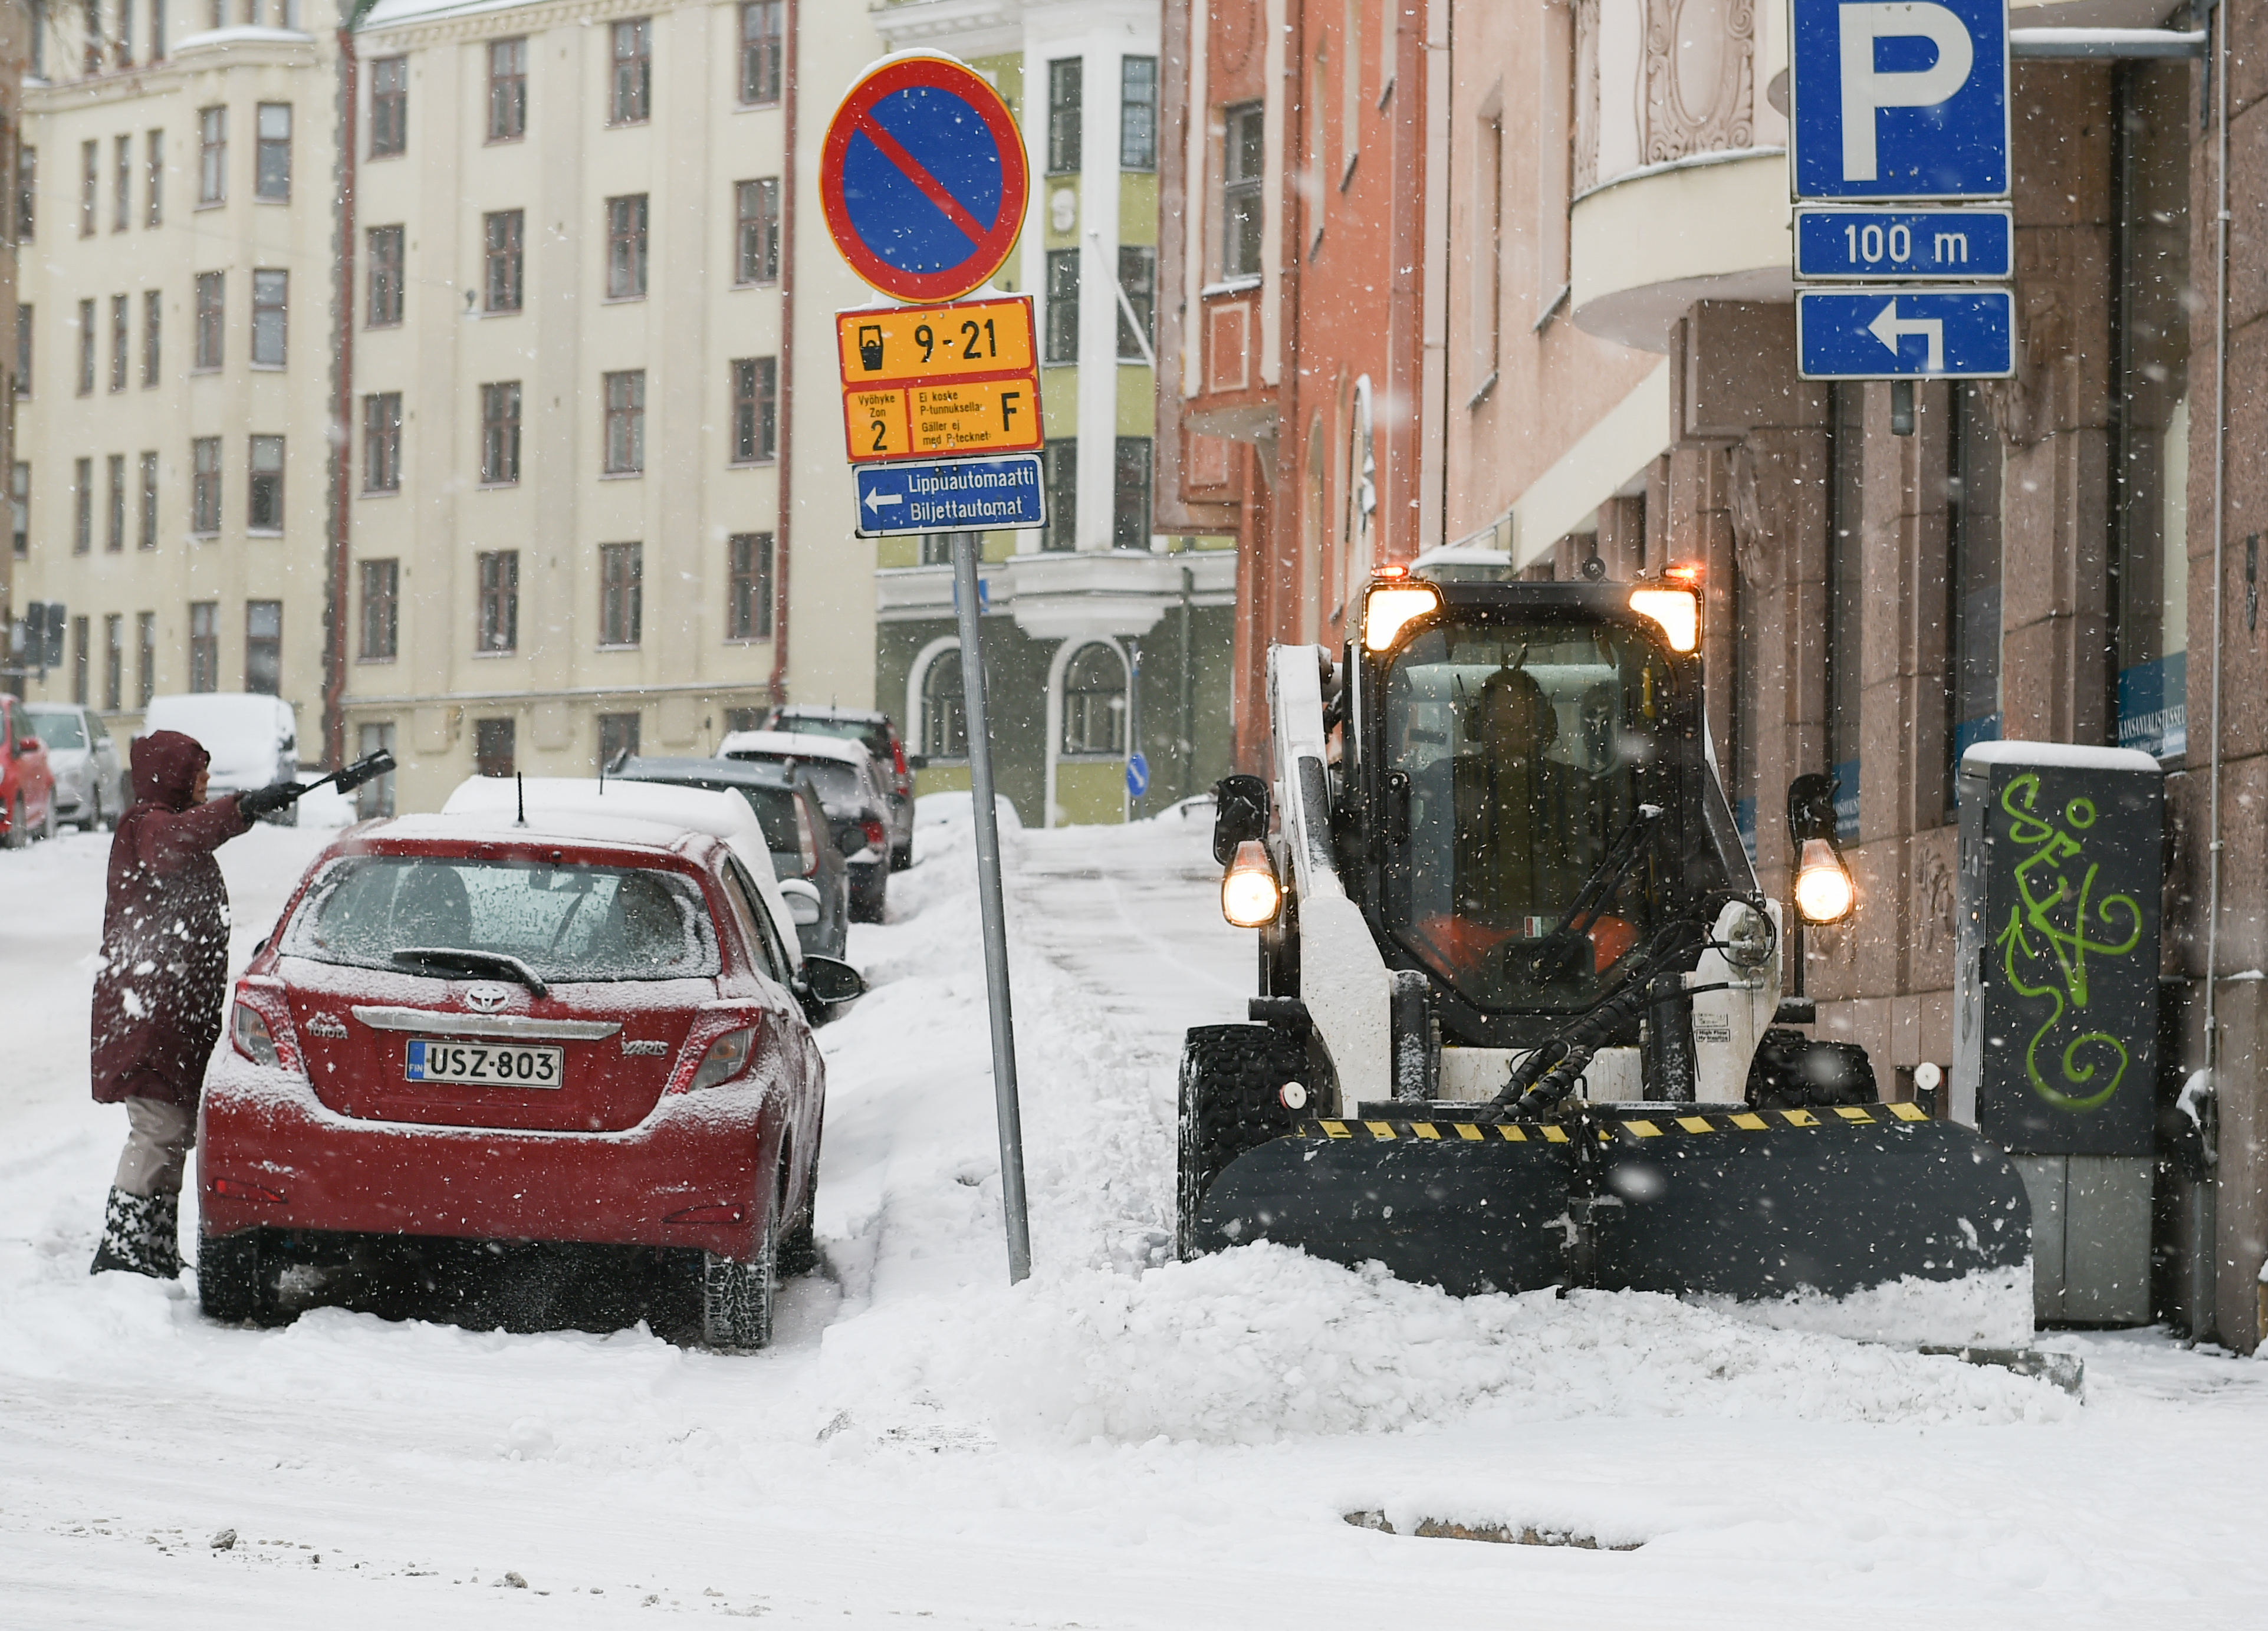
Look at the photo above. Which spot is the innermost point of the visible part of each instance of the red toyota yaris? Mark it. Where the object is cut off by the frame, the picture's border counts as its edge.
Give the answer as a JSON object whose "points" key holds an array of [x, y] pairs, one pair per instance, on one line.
{"points": [[470, 1033]]}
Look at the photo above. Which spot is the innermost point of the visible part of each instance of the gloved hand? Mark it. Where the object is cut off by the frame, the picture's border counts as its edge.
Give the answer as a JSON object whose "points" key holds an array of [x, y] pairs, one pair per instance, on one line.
{"points": [[264, 801]]}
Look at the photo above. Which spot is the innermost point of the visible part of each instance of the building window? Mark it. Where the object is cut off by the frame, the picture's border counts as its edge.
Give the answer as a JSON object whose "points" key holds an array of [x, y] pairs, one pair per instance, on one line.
{"points": [[499, 607], [25, 332], [153, 311], [80, 660], [154, 179], [381, 442], [114, 537], [756, 207], [501, 233], [212, 296], [263, 510], [633, 87], [1241, 202], [748, 586], [212, 155], [1129, 497], [263, 647], [204, 645], [375, 799], [621, 566], [492, 747], [759, 52], [87, 348], [1138, 113], [1062, 306], [389, 106], [122, 332], [28, 193], [625, 449], [91, 46], [945, 708], [618, 738], [1094, 704], [1138, 278], [157, 31], [145, 657], [500, 434], [146, 533], [121, 184], [1059, 469], [19, 506], [381, 610], [82, 506], [113, 661], [204, 486], [756, 410], [507, 90], [90, 168], [269, 291], [383, 303], [271, 171], [626, 247], [1064, 116]]}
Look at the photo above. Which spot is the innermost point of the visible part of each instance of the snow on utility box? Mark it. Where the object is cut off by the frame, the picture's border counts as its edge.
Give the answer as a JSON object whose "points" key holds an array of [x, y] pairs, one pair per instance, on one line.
{"points": [[2056, 1005]]}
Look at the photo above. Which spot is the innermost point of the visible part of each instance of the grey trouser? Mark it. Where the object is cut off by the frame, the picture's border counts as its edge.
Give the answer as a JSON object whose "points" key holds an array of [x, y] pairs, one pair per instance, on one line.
{"points": [[157, 1140]]}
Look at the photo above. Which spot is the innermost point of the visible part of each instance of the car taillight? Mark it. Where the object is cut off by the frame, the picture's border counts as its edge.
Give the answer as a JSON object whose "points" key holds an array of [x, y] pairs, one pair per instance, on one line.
{"points": [[727, 1057], [898, 755], [877, 835], [237, 1189], [260, 1025]]}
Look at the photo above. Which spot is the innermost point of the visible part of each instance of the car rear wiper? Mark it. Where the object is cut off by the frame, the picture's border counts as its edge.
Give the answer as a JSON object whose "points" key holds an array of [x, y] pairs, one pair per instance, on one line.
{"points": [[1598, 889], [456, 960]]}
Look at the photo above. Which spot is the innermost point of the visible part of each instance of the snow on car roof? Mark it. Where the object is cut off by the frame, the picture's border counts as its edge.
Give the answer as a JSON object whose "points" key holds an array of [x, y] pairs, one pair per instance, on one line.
{"points": [[793, 745], [847, 716], [543, 826]]}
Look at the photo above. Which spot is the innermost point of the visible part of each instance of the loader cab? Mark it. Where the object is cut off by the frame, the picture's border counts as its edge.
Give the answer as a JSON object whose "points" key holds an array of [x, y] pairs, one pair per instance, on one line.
{"points": [[1527, 782]]}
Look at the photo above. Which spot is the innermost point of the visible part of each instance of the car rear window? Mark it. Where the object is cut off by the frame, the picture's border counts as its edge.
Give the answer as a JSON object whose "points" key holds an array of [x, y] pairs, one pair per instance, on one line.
{"points": [[774, 808], [837, 783], [56, 730], [873, 739], [565, 922]]}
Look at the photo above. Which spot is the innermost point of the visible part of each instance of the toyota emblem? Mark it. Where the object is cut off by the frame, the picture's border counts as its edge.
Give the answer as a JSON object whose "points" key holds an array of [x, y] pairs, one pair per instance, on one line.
{"points": [[487, 999]]}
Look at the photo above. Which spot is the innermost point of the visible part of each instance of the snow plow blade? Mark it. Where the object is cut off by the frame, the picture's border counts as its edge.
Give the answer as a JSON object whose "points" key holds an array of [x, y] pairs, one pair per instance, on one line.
{"points": [[1702, 1201]]}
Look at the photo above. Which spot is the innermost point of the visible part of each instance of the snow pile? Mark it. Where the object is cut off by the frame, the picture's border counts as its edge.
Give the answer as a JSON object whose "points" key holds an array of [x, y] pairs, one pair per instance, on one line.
{"points": [[1991, 1308], [1263, 1344]]}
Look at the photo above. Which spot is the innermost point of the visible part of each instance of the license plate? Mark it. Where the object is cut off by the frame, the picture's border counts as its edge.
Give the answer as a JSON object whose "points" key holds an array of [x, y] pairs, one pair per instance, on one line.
{"points": [[483, 1064]]}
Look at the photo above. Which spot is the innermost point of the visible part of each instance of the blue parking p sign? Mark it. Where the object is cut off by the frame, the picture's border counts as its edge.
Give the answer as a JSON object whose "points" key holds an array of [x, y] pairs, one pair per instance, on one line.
{"points": [[1899, 98]]}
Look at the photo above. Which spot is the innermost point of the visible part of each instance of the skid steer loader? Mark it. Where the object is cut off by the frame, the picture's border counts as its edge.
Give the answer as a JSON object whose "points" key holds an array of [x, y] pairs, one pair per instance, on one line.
{"points": [[1521, 1022]]}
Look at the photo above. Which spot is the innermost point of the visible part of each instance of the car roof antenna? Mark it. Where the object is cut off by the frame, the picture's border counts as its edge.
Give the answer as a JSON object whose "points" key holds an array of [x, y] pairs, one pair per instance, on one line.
{"points": [[519, 782]]}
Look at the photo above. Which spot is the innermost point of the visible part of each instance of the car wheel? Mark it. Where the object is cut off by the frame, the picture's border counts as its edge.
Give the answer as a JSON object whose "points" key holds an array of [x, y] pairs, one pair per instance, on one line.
{"points": [[737, 1298], [94, 822], [48, 821], [235, 1286], [901, 859], [799, 1249], [16, 837]]}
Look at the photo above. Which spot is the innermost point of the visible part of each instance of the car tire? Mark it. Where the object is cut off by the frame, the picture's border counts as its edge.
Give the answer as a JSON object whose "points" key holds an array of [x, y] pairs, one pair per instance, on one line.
{"points": [[901, 859], [47, 822], [94, 821], [16, 837], [737, 1298], [799, 1248], [233, 1283], [1231, 1079]]}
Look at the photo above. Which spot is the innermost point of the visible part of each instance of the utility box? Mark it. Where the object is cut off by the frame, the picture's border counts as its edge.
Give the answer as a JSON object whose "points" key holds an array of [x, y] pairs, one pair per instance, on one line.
{"points": [[2056, 1005]]}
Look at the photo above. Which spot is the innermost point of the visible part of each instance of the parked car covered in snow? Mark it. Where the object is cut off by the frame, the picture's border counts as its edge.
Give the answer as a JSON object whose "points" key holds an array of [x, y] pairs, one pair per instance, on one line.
{"points": [[878, 734], [857, 806], [28, 786], [566, 1028], [90, 784], [254, 739]]}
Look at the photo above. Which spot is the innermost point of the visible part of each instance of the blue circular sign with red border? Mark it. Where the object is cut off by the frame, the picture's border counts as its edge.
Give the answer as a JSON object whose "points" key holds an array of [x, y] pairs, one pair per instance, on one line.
{"points": [[923, 179]]}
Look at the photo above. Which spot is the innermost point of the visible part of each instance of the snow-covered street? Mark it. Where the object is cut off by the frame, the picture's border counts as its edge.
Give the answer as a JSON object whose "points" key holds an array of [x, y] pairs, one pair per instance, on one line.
{"points": [[1120, 1442]]}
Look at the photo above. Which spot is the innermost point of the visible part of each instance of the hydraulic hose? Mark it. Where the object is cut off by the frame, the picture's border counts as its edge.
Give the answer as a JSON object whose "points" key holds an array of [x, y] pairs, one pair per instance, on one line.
{"points": [[1550, 1073]]}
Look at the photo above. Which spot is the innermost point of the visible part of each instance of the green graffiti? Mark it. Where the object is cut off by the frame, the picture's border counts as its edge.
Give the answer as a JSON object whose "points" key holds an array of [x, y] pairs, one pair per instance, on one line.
{"points": [[2035, 944]]}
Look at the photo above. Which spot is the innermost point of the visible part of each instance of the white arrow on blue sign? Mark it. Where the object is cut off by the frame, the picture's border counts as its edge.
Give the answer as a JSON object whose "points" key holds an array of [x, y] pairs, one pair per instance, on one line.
{"points": [[1898, 99], [1137, 775], [1905, 333], [1967, 245], [950, 495]]}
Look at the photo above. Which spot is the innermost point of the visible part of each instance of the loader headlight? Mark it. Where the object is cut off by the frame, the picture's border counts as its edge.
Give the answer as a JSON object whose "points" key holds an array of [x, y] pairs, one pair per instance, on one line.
{"points": [[1824, 890], [1392, 604], [1250, 897], [1674, 603]]}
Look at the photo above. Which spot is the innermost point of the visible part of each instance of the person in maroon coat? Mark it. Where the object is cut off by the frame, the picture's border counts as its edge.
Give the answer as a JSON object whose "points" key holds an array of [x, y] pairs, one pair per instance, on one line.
{"points": [[162, 979]]}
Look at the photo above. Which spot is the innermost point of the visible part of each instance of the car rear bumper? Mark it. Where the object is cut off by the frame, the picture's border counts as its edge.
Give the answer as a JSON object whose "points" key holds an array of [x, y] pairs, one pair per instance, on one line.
{"points": [[263, 1134]]}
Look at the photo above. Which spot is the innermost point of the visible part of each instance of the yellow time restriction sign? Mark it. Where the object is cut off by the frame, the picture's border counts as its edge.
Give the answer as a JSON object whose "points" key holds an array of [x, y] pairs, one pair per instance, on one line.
{"points": [[926, 344]]}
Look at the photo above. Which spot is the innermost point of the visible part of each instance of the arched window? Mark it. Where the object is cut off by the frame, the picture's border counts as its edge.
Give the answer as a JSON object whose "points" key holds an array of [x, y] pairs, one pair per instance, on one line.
{"points": [[1094, 703], [945, 713]]}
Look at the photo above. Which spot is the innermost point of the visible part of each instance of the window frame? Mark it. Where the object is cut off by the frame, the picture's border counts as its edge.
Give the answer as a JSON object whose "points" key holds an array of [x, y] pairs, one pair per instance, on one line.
{"points": [[381, 443], [500, 432], [87, 348], [384, 285], [627, 246], [1138, 150], [763, 53], [209, 353], [1243, 197], [389, 107], [204, 646], [755, 411], [146, 530], [114, 535], [121, 183], [748, 588], [271, 306], [508, 90], [1064, 273], [623, 454], [205, 456], [271, 155], [755, 225], [629, 91], [256, 645], [83, 506], [153, 318], [496, 628], [212, 157], [621, 593], [1066, 111], [121, 340], [504, 263], [378, 638]]}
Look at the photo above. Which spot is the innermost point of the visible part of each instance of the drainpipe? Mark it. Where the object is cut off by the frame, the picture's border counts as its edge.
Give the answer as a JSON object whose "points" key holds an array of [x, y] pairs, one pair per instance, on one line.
{"points": [[2210, 1247], [337, 597], [777, 691]]}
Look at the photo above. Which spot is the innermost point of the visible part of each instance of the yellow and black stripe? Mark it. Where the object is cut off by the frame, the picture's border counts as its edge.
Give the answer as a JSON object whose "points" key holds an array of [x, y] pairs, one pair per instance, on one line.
{"points": [[1663, 1126]]}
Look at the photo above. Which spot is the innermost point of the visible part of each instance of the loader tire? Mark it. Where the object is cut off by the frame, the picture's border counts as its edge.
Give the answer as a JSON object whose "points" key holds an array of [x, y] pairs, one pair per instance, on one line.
{"points": [[1792, 1071], [1232, 1078]]}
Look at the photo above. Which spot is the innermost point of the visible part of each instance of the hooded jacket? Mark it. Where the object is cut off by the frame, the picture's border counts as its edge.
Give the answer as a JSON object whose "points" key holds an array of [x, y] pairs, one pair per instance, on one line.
{"points": [[164, 976]]}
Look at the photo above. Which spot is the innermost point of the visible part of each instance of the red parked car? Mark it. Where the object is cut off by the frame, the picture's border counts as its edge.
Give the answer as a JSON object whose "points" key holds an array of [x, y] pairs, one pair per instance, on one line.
{"points": [[586, 1028], [28, 786]]}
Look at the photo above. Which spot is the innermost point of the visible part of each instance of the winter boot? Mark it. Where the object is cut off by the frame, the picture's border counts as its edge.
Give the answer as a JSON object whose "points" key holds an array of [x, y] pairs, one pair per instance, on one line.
{"points": [[130, 1229], [165, 1237]]}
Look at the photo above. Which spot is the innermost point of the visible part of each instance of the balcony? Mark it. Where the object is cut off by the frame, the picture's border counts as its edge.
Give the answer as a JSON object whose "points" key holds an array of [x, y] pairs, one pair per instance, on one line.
{"points": [[1681, 165]]}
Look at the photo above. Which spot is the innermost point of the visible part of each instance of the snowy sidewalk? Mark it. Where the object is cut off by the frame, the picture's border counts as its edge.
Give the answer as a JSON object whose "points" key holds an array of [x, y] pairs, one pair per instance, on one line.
{"points": [[1122, 1443]]}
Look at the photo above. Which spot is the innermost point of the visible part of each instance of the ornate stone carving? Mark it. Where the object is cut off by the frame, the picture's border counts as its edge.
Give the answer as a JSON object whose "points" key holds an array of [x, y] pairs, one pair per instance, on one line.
{"points": [[1586, 95], [1699, 78]]}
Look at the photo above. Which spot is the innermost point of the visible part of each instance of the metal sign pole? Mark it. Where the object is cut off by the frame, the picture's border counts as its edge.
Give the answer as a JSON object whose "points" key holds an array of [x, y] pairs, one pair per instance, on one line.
{"points": [[988, 894]]}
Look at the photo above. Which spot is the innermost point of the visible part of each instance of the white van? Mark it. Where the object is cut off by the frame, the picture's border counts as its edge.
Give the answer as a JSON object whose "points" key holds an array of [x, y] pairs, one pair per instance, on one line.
{"points": [[253, 739]]}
